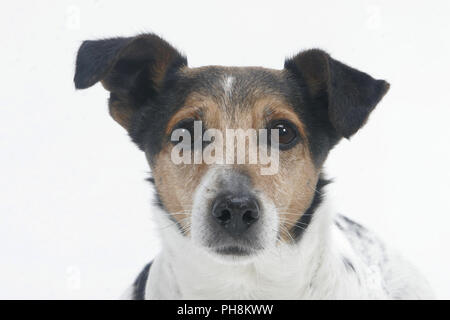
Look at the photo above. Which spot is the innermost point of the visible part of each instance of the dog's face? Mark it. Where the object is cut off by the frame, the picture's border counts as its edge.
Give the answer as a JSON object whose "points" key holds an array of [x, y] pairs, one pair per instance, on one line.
{"points": [[231, 208]]}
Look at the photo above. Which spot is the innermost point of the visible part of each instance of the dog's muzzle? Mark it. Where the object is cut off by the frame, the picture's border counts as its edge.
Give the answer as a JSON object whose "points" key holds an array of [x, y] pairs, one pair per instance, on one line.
{"points": [[230, 218]]}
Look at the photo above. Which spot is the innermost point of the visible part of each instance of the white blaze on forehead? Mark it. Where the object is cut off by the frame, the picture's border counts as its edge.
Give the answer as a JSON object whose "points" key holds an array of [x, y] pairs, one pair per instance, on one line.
{"points": [[228, 84]]}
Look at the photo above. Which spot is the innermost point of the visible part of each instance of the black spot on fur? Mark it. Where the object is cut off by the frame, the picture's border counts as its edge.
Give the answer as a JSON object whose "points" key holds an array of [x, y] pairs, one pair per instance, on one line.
{"points": [[140, 283], [348, 265], [352, 226], [158, 202]]}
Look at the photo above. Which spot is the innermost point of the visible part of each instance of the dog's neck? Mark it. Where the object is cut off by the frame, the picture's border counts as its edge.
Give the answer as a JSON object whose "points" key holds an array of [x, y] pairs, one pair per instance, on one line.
{"points": [[286, 271]]}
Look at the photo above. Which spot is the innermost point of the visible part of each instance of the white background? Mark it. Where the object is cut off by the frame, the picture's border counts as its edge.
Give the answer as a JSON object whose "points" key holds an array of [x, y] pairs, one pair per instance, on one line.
{"points": [[75, 211]]}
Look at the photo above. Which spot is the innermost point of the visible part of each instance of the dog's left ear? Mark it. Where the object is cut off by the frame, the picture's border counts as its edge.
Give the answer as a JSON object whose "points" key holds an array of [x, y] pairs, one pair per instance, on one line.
{"points": [[133, 69], [350, 95]]}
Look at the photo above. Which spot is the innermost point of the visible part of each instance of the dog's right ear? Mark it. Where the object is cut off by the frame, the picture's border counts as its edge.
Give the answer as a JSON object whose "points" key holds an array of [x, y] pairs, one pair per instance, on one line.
{"points": [[133, 69]]}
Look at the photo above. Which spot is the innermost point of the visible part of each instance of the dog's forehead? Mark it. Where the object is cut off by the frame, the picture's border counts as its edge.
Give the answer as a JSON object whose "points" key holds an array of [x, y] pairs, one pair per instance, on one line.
{"points": [[237, 86]]}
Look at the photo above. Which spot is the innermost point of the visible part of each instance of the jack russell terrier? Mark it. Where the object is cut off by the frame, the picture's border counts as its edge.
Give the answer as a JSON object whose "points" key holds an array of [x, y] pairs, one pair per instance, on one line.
{"points": [[235, 229]]}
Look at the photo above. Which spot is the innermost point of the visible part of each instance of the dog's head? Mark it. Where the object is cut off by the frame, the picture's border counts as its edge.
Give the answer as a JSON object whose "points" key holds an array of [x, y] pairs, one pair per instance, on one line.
{"points": [[231, 208]]}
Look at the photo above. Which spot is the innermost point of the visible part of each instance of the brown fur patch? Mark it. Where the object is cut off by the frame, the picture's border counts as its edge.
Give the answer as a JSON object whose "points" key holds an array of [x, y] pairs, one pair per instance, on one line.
{"points": [[176, 185], [186, 112], [120, 112], [291, 190], [166, 56]]}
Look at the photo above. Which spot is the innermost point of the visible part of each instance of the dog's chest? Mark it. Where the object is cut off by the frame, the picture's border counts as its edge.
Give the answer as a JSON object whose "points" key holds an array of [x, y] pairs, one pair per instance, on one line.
{"points": [[242, 284], [274, 280]]}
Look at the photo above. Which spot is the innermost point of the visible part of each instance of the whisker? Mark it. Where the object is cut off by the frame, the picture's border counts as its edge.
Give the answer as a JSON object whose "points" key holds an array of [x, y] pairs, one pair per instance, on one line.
{"points": [[179, 222], [314, 189], [295, 214], [286, 232], [285, 221]]}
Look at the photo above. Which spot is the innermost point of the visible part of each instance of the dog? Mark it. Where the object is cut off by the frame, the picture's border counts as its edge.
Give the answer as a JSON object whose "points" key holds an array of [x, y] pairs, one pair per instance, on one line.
{"points": [[228, 231]]}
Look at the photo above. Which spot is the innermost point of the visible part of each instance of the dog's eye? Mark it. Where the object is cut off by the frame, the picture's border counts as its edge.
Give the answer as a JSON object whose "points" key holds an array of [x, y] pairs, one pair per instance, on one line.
{"points": [[287, 133], [186, 128]]}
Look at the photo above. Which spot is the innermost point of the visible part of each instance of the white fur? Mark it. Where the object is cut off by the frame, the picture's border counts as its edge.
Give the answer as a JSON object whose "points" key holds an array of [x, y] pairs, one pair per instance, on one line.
{"points": [[228, 84], [311, 269]]}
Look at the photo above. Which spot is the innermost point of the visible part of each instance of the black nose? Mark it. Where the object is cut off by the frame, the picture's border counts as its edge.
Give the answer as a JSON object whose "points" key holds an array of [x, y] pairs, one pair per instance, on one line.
{"points": [[235, 213]]}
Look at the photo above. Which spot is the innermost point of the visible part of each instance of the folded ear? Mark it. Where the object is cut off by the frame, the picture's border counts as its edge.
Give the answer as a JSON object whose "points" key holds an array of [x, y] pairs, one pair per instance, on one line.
{"points": [[133, 69], [350, 94]]}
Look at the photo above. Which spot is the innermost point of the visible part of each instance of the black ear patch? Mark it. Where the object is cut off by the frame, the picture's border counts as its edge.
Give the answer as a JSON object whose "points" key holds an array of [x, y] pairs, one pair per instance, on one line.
{"points": [[95, 58], [133, 69], [350, 94]]}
